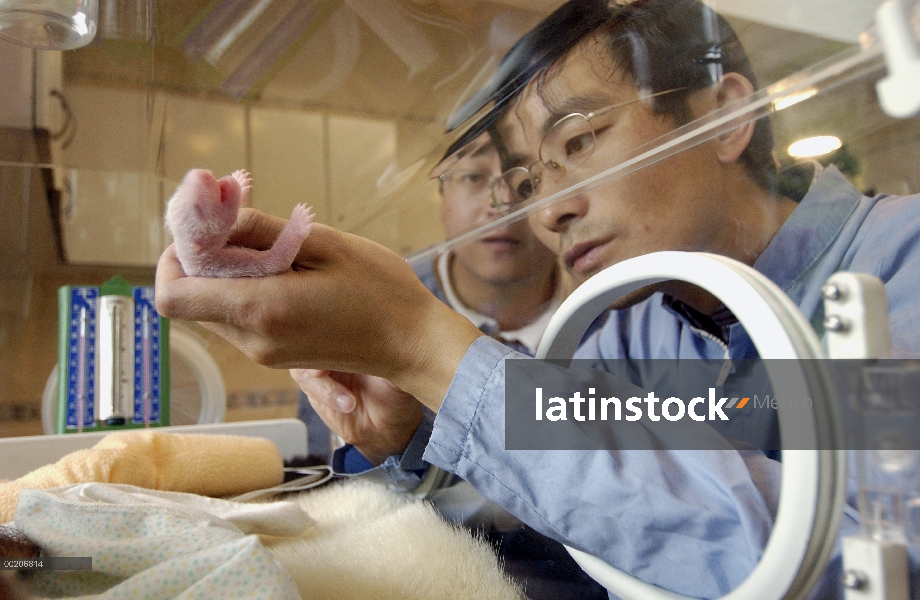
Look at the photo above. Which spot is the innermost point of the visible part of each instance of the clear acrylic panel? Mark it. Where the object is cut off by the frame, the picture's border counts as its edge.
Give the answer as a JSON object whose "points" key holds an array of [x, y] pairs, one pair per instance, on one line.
{"points": [[132, 99], [812, 78]]}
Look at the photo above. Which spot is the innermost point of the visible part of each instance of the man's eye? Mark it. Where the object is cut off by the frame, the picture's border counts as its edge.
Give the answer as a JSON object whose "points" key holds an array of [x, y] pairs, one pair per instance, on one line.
{"points": [[579, 145], [474, 177], [525, 189]]}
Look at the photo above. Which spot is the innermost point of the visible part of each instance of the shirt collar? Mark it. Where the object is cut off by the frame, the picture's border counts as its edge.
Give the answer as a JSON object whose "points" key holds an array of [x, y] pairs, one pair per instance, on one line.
{"points": [[478, 319], [529, 335], [800, 242], [809, 230]]}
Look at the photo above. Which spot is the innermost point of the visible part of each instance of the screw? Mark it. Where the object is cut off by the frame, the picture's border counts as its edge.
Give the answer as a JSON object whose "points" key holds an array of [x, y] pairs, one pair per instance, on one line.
{"points": [[836, 323], [854, 580], [831, 291]]}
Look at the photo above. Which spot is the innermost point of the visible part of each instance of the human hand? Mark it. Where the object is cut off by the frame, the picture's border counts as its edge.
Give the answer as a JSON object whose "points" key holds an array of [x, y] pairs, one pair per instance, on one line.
{"points": [[348, 304], [368, 412]]}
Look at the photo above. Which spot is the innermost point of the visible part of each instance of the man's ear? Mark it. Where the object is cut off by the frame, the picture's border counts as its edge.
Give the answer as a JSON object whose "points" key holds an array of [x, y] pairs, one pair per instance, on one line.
{"points": [[731, 88]]}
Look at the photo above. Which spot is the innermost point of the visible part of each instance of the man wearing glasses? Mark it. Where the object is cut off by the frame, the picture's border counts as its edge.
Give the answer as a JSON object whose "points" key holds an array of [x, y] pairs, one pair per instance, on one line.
{"points": [[505, 282], [688, 521]]}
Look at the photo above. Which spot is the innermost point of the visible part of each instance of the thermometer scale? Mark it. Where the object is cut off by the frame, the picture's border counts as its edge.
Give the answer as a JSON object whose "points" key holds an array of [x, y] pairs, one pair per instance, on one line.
{"points": [[78, 380], [147, 373]]}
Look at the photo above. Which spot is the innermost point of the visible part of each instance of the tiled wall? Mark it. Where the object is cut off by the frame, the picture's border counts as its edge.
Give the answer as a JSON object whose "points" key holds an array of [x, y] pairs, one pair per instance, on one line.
{"points": [[131, 149]]}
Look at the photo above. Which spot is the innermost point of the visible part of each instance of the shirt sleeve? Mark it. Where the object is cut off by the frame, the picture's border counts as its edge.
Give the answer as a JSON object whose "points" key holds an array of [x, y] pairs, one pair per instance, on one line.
{"points": [[886, 247], [693, 522], [403, 471]]}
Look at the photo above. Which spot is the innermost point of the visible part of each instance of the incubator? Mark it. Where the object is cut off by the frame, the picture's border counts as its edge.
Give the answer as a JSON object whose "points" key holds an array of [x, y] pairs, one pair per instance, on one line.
{"points": [[746, 193]]}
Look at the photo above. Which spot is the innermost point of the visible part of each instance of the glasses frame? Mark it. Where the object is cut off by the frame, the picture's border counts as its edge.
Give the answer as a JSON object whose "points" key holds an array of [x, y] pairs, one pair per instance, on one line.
{"points": [[445, 177], [535, 180]]}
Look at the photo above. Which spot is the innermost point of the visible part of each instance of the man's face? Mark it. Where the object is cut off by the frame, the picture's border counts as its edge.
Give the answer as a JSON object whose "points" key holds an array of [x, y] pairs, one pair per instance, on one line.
{"points": [[671, 205], [507, 255]]}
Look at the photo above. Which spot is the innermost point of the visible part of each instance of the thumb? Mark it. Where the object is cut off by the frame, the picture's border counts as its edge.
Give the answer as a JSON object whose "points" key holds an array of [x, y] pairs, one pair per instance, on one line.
{"points": [[324, 389]]}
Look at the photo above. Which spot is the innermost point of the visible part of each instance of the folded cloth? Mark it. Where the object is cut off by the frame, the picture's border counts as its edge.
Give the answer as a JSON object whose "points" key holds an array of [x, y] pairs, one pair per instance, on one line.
{"points": [[209, 465], [152, 544], [351, 539]]}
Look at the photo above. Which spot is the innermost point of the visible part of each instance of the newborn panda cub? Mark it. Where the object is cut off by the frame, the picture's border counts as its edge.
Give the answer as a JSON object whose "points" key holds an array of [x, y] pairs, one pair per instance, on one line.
{"points": [[201, 214]]}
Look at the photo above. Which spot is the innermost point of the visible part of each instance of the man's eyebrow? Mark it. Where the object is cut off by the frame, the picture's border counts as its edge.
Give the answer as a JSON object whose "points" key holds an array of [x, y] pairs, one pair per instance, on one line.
{"points": [[583, 104], [487, 147]]}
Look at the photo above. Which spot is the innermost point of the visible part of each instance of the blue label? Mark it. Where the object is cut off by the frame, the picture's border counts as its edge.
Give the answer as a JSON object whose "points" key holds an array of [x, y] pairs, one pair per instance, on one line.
{"points": [[81, 358], [146, 357]]}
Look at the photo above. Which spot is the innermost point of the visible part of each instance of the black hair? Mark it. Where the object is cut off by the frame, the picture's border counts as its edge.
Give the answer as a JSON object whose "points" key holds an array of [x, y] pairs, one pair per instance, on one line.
{"points": [[534, 53], [667, 44], [659, 44]]}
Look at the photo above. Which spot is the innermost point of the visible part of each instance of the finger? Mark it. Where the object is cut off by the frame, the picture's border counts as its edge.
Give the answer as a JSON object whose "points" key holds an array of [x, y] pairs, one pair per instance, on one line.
{"points": [[325, 390], [192, 298], [169, 266], [259, 230], [231, 301], [256, 229], [337, 422], [175, 294]]}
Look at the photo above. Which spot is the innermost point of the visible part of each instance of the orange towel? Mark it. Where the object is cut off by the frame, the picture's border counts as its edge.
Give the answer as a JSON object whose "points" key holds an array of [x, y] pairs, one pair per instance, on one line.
{"points": [[209, 465]]}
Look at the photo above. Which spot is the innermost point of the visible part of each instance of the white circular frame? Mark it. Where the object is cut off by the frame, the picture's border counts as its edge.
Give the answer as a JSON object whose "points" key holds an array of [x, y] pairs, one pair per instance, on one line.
{"points": [[813, 481]]}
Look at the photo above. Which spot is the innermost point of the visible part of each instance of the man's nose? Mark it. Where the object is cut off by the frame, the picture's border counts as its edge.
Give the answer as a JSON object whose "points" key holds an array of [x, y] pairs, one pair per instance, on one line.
{"points": [[559, 216], [494, 207]]}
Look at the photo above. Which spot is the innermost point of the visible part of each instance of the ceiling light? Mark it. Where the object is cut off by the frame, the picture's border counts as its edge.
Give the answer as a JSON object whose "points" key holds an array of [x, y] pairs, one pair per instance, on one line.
{"points": [[814, 146], [787, 101]]}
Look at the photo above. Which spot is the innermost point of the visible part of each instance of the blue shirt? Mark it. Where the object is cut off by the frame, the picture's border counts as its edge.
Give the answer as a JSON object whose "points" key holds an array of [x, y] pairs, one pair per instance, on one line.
{"points": [[694, 522], [454, 498]]}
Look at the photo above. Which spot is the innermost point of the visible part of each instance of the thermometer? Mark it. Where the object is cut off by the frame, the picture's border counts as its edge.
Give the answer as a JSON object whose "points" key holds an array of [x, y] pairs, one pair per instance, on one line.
{"points": [[116, 353], [113, 357], [81, 370]]}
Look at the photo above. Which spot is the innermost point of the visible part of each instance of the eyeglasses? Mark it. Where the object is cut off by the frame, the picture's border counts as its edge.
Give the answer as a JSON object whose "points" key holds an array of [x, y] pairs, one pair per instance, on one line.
{"points": [[565, 146], [467, 184]]}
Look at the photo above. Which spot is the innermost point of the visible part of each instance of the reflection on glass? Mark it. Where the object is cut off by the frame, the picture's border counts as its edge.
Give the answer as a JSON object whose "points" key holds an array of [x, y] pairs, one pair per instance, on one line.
{"points": [[113, 218]]}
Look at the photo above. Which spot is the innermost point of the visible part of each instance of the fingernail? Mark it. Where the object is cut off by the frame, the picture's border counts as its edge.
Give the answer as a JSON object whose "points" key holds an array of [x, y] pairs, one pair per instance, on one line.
{"points": [[345, 403]]}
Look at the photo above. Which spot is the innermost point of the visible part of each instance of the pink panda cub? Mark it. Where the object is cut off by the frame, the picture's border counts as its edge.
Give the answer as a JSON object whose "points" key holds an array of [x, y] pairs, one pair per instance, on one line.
{"points": [[200, 215]]}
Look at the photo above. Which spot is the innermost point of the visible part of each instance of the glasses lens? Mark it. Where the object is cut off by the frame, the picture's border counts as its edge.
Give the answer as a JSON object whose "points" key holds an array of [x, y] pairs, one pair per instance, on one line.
{"points": [[567, 144], [468, 184], [517, 185]]}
